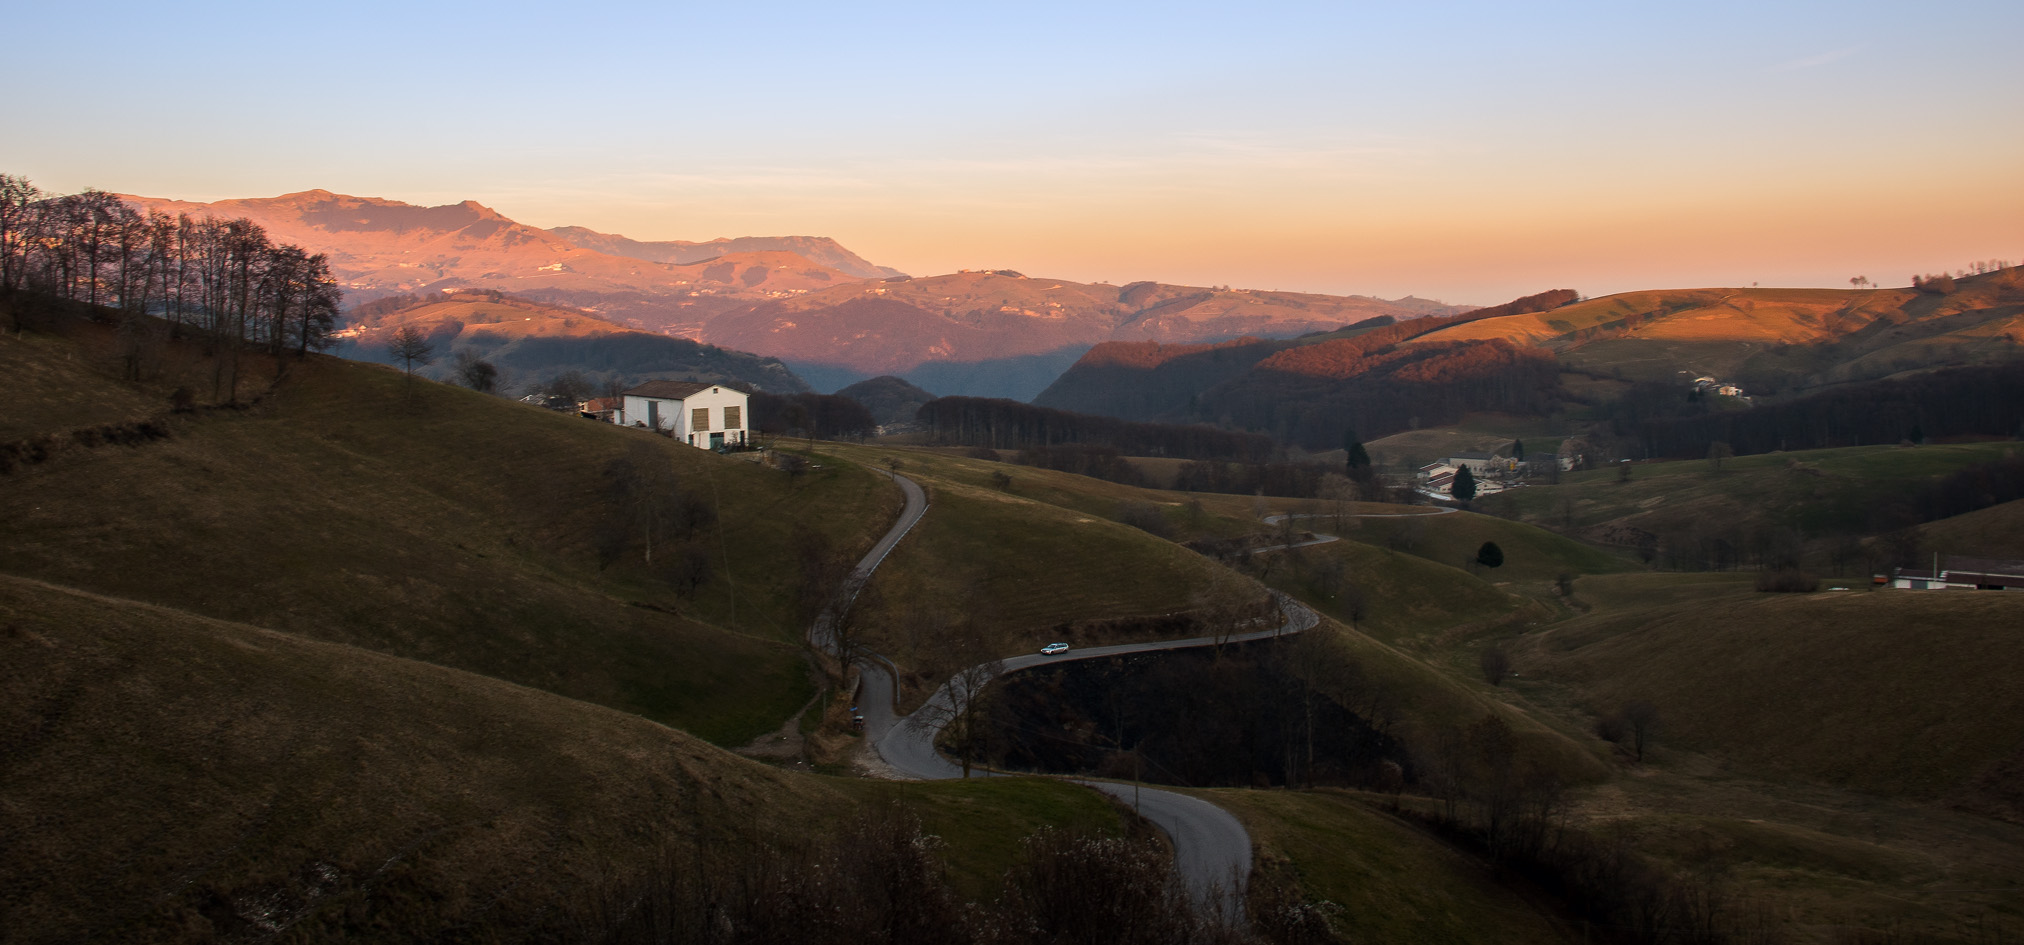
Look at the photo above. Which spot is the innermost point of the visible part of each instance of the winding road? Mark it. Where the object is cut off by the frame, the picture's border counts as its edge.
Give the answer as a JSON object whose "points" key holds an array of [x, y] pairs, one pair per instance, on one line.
{"points": [[1211, 848]]}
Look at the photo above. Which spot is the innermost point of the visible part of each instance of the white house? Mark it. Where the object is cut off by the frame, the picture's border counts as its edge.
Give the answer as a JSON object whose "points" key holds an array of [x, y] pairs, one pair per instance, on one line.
{"points": [[698, 413]]}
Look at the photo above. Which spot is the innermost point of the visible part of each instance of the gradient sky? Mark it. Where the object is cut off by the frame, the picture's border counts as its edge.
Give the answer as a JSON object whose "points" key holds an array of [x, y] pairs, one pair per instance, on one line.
{"points": [[1469, 152]]}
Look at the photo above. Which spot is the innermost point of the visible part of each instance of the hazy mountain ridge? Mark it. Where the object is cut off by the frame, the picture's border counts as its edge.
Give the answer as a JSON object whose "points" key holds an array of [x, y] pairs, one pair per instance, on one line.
{"points": [[895, 326], [530, 342], [381, 247], [1148, 381], [806, 300], [817, 249], [1770, 341]]}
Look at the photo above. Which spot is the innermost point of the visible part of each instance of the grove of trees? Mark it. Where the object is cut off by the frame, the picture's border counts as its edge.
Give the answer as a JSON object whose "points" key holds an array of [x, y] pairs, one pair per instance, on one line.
{"points": [[221, 281]]}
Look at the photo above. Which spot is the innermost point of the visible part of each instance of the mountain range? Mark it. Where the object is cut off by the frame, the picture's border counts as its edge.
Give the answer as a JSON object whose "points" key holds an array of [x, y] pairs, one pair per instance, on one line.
{"points": [[831, 314], [1552, 351]]}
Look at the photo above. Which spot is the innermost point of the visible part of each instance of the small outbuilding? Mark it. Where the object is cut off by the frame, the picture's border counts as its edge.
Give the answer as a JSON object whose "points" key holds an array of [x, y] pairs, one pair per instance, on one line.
{"points": [[701, 414]]}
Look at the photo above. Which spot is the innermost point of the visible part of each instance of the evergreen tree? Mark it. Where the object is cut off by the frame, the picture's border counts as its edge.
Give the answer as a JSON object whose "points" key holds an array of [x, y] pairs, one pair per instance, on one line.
{"points": [[1490, 556], [1464, 488], [1358, 459], [1518, 450]]}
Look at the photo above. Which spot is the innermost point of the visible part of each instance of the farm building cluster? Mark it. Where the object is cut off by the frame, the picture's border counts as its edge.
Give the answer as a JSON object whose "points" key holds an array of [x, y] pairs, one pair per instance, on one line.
{"points": [[1959, 573]]}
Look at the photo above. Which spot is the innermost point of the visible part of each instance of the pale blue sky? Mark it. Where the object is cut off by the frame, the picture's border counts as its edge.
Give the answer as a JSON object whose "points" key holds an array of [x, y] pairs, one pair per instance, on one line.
{"points": [[1464, 151]]}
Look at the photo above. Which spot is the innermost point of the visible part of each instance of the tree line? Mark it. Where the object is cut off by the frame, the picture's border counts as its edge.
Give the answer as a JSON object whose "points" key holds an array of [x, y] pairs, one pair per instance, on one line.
{"points": [[223, 281], [821, 416], [1008, 424], [1952, 402]]}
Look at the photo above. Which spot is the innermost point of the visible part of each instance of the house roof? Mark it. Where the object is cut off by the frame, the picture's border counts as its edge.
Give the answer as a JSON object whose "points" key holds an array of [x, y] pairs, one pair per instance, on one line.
{"points": [[600, 404], [676, 390], [1982, 565]]}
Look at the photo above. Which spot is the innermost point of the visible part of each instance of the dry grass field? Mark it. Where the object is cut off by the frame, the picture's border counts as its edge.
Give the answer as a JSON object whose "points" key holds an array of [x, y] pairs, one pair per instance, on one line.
{"points": [[1903, 693], [177, 778], [444, 525], [1810, 491], [173, 777], [1994, 532], [1387, 878]]}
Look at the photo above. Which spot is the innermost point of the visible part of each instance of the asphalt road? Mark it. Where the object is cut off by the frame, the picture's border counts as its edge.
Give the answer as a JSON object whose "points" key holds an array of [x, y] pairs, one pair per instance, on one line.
{"points": [[1211, 848]]}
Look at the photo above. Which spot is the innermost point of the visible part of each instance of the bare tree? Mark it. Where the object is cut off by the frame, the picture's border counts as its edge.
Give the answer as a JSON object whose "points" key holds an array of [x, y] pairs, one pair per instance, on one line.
{"points": [[958, 707], [1717, 452], [1223, 614], [1641, 718], [411, 347], [651, 505], [571, 386], [1496, 664], [477, 374], [18, 215], [1339, 491]]}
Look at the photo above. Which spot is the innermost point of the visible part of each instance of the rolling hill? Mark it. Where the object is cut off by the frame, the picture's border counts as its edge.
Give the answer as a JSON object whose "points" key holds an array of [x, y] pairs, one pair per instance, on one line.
{"points": [[530, 342], [893, 402], [900, 325], [344, 661], [1774, 340]]}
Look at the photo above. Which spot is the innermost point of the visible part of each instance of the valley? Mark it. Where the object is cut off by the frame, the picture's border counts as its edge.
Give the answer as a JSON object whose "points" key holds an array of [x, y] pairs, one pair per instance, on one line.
{"points": [[309, 647]]}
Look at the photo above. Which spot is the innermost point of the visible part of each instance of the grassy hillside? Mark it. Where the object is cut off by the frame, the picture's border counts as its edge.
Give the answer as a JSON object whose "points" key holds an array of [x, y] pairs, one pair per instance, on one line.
{"points": [[1391, 881], [1994, 532], [1404, 599], [448, 526], [1810, 492], [1532, 555], [1810, 336], [1219, 516], [171, 775], [176, 778], [1897, 692], [1017, 573]]}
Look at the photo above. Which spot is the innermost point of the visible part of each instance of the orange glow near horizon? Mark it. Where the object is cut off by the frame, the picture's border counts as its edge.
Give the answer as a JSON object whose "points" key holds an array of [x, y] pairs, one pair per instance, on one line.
{"points": [[1470, 152]]}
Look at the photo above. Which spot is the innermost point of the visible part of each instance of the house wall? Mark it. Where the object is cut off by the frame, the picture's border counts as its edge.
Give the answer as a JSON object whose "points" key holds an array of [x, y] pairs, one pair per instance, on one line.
{"points": [[714, 400], [677, 416]]}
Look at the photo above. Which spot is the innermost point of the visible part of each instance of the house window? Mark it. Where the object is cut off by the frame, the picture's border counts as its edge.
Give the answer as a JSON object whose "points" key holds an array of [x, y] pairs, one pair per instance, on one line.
{"points": [[734, 418], [699, 418]]}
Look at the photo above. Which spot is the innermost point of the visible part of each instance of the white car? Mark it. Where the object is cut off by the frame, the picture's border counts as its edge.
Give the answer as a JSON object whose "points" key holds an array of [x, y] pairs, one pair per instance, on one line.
{"points": [[1054, 649]]}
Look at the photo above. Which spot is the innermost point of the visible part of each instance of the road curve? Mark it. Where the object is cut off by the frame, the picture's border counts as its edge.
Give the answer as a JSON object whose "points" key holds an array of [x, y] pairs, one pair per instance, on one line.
{"points": [[822, 634], [1212, 849]]}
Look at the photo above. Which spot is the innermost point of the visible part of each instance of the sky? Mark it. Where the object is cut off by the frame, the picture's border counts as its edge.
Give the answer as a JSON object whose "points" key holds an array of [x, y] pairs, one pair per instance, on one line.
{"points": [[1468, 152]]}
